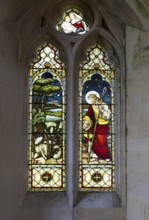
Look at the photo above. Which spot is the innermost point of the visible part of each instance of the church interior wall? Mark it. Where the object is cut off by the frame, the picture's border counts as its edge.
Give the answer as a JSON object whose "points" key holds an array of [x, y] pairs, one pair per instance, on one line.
{"points": [[137, 123], [15, 203]]}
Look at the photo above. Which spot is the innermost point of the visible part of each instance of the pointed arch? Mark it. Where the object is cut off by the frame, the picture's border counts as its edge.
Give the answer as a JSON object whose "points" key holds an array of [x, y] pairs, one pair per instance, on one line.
{"points": [[97, 124], [47, 81]]}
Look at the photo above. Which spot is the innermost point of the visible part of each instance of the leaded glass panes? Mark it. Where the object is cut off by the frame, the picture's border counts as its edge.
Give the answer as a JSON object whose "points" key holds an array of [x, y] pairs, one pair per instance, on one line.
{"points": [[47, 121], [72, 22], [97, 121]]}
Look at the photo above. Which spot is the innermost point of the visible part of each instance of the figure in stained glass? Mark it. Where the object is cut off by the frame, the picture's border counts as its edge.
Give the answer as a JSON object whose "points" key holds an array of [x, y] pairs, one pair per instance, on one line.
{"points": [[96, 123], [72, 23]]}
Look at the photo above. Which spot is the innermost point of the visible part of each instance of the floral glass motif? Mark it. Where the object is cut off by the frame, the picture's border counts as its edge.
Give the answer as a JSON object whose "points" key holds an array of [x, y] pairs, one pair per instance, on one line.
{"points": [[72, 22], [97, 123], [47, 121]]}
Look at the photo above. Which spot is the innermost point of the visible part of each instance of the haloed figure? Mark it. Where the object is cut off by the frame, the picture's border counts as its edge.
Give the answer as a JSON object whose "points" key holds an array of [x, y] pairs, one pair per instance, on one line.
{"points": [[96, 123], [73, 23]]}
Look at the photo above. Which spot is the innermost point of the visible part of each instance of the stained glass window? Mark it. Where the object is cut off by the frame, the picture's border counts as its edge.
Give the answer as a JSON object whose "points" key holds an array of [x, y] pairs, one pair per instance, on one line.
{"points": [[72, 22], [97, 121], [47, 121]]}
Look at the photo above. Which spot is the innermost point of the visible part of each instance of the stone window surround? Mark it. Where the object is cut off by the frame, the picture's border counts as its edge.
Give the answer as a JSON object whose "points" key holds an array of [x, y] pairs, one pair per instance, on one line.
{"points": [[72, 51]]}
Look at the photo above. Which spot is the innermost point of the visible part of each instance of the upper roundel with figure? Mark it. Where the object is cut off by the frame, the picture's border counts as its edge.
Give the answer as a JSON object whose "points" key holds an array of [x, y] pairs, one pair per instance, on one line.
{"points": [[72, 22]]}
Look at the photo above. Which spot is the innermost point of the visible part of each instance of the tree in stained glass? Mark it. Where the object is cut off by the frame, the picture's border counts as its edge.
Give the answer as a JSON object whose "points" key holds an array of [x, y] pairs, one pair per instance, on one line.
{"points": [[97, 125], [72, 22], [47, 121]]}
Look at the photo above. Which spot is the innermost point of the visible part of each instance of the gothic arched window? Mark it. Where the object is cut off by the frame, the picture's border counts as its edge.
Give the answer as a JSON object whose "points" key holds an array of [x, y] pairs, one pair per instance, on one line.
{"points": [[84, 151], [97, 125], [47, 121]]}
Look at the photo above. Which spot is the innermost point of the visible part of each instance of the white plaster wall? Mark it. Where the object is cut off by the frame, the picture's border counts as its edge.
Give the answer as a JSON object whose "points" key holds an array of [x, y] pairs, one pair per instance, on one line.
{"points": [[137, 65]]}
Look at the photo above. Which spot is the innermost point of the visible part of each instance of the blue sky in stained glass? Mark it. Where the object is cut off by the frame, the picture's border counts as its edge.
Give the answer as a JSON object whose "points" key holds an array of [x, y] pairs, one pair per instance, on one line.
{"points": [[97, 83]]}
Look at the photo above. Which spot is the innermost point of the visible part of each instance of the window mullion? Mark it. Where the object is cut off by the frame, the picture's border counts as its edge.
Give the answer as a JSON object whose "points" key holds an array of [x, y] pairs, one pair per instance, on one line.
{"points": [[72, 140]]}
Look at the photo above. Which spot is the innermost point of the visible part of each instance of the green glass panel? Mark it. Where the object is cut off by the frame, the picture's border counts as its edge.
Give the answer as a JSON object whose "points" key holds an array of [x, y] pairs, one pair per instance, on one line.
{"points": [[47, 121]]}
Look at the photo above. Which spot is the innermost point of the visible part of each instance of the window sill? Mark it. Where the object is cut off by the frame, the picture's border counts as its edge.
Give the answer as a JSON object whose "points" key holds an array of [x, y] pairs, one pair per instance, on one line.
{"points": [[98, 200]]}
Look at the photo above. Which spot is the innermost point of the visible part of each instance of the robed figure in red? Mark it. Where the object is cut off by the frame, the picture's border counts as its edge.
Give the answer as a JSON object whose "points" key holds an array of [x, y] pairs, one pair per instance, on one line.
{"points": [[96, 123]]}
